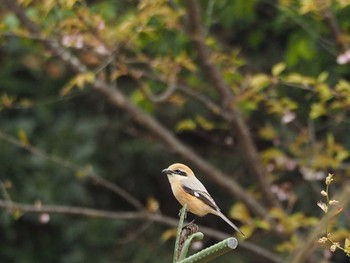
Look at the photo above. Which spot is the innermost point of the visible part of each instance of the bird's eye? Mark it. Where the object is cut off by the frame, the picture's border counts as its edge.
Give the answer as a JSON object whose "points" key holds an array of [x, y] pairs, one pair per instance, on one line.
{"points": [[179, 172]]}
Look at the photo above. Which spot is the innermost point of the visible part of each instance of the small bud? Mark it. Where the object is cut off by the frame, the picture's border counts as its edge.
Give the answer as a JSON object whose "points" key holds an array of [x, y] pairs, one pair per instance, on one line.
{"points": [[324, 193], [329, 179], [322, 240], [333, 248], [329, 235], [333, 202]]}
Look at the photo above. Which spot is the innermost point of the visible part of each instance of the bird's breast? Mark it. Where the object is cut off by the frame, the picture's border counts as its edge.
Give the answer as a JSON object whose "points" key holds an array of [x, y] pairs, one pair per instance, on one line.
{"points": [[194, 205]]}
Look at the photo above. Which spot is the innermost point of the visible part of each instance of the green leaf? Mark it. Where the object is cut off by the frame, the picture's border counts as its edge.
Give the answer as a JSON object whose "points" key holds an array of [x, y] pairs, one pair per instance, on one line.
{"points": [[11, 21], [139, 99], [322, 77]]}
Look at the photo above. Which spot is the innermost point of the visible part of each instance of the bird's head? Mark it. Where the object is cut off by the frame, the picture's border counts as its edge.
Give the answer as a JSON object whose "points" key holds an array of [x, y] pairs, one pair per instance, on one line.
{"points": [[178, 170]]}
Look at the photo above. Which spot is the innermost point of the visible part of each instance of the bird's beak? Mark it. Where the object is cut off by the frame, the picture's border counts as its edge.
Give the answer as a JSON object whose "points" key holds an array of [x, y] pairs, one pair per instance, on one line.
{"points": [[166, 171]]}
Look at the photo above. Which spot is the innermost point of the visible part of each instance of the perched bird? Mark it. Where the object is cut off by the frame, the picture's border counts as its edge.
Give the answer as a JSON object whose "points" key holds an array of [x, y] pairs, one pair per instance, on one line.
{"points": [[188, 190]]}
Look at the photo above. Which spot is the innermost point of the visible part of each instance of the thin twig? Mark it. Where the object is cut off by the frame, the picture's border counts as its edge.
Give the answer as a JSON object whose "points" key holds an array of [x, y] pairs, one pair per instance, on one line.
{"points": [[163, 97], [304, 249], [134, 234], [207, 102]]}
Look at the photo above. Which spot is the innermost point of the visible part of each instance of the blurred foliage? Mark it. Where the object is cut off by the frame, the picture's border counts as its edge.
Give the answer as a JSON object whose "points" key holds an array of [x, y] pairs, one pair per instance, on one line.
{"points": [[279, 58]]}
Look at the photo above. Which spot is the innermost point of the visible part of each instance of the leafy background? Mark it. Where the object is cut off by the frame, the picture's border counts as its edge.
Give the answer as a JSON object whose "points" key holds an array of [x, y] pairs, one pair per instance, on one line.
{"points": [[65, 141]]}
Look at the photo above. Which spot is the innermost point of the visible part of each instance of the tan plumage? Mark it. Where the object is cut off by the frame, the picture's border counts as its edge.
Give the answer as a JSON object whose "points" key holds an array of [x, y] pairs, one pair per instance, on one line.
{"points": [[188, 190]]}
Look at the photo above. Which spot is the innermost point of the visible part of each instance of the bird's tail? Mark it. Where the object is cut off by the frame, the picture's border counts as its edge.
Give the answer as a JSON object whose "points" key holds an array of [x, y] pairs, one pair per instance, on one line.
{"points": [[228, 221]]}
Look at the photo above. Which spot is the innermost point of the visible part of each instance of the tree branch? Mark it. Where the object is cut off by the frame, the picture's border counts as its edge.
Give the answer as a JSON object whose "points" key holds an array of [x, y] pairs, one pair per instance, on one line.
{"points": [[139, 215], [89, 173], [210, 71], [216, 79], [333, 25]]}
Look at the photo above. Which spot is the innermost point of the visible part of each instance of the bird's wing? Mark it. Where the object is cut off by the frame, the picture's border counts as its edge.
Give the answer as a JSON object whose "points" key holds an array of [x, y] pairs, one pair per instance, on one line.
{"points": [[203, 196]]}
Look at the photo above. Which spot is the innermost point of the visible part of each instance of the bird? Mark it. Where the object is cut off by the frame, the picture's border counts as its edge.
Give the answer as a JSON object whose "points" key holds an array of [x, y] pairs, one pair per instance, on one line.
{"points": [[188, 190]]}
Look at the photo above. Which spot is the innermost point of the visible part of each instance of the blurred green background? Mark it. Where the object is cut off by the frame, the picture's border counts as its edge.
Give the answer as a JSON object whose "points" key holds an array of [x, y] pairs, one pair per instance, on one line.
{"points": [[282, 60]]}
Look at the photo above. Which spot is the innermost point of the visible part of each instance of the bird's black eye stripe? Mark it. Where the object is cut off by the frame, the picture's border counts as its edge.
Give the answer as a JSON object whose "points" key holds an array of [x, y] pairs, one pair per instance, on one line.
{"points": [[179, 172]]}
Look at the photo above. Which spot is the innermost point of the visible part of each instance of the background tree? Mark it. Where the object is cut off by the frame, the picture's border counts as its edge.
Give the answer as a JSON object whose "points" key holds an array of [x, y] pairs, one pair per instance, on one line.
{"points": [[97, 97]]}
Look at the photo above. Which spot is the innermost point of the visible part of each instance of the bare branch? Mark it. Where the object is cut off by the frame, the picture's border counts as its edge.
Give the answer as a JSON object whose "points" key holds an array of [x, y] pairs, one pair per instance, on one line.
{"points": [[75, 168], [142, 215], [331, 21], [68, 210], [212, 72]]}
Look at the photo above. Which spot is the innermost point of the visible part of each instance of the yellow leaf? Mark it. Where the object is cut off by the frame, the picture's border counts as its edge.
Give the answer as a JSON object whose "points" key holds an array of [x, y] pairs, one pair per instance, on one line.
{"points": [[240, 212], [204, 123], [170, 233], [330, 140], [259, 81], [263, 224], [324, 91], [16, 213], [322, 77], [347, 246], [343, 86], [296, 78], [68, 4], [84, 78], [277, 213], [307, 6], [152, 205], [184, 60], [26, 103], [186, 125], [248, 230], [79, 81], [278, 69], [317, 110], [341, 155], [81, 173], [271, 154], [25, 2], [7, 100], [267, 132], [288, 246], [23, 137], [177, 100], [343, 3]]}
